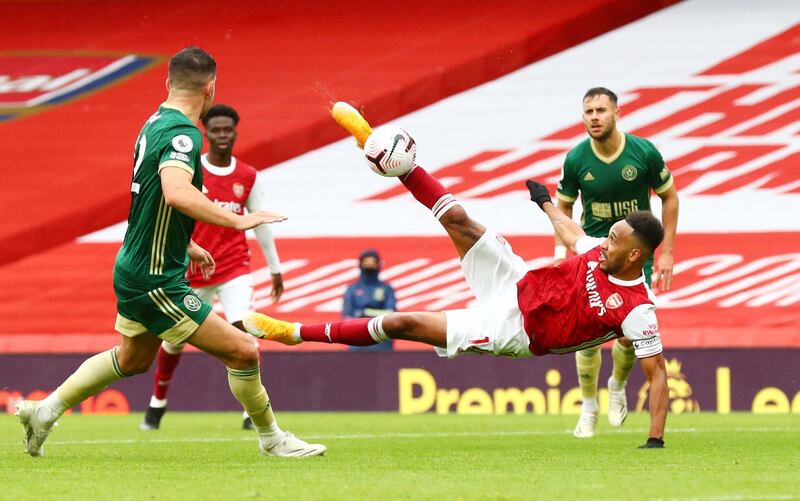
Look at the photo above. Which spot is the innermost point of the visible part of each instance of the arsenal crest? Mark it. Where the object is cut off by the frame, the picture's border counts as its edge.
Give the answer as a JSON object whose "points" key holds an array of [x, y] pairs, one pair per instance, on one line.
{"points": [[238, 190], [614, 301]]}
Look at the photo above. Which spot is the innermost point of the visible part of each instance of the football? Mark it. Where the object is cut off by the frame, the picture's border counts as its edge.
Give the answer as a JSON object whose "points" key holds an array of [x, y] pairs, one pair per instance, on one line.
{"points": [[390, 151]]}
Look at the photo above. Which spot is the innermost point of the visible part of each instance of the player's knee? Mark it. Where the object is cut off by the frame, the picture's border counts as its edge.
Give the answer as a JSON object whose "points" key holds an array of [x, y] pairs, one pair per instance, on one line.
{"points": [[398, 324], [245, 354], [588, 352], [132, 363], [456, 216]]}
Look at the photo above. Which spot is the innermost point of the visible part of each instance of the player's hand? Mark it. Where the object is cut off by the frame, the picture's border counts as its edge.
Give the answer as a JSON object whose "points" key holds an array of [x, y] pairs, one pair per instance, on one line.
{"points": [[539, 193], [200, 259], [258, 218], [653, 443], [558, 261], [663, 273], [277, 287]]}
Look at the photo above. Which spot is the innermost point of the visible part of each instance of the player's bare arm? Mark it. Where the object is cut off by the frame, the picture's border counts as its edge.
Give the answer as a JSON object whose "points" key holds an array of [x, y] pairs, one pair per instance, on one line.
{"points": [[560, 252], [567, 230], [669, 217], [656, 373], [179, 193]]}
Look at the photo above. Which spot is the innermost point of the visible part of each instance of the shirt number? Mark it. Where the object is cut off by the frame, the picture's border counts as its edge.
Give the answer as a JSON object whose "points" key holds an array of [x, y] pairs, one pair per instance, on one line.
{"points": [[139, 157]]}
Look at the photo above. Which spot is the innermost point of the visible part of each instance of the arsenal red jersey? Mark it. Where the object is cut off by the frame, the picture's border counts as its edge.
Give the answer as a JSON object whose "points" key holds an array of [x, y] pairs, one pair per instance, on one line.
{"points": [[576, 305], [228, 187]]}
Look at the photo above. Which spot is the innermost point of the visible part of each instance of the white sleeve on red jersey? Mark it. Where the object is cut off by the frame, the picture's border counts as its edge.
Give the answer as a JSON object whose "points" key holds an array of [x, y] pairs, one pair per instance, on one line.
{"points": [[587, 243], [257, 201], [641, 327]]}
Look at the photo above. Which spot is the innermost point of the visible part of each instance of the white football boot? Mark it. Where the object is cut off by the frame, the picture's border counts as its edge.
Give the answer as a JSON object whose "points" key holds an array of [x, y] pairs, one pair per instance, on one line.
{"points": [[586, 425], [36, 429], [617, 407], [289, 446]]}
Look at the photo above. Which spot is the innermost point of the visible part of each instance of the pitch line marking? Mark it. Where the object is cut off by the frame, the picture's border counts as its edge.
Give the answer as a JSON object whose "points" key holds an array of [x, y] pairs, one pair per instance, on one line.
{"points": [[374, 436], [733, 497]]}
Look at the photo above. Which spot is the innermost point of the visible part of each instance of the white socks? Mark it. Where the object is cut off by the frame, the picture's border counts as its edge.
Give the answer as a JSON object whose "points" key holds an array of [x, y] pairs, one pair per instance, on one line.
{"points": [[269, 435], [156, 403], [51, 408], [615, 385], [296, 333], [375, 329]]}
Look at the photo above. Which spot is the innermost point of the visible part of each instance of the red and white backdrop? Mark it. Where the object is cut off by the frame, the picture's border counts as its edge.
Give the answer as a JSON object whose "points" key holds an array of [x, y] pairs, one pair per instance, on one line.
{"points": [[715, 85], [724, 110]]}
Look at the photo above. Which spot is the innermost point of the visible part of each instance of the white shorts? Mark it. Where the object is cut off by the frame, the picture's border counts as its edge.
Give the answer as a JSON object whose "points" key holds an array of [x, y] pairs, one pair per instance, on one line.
{"points": [[492, 271], [236, 296]]}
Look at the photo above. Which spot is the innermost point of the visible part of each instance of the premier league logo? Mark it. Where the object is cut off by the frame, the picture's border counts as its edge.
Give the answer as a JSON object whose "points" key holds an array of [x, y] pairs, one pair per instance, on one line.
{"points": [[32, 82]]}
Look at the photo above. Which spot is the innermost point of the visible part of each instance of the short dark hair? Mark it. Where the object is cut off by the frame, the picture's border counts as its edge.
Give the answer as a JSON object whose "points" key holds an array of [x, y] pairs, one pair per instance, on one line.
{"points": [[221, 110], [646, 228], [601, 91], [191, 68]]}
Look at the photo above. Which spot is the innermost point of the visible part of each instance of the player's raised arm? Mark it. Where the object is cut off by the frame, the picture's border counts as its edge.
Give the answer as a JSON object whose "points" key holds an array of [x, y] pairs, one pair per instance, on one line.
{"points": [[176, 183], [656, 372], [567, 230]]}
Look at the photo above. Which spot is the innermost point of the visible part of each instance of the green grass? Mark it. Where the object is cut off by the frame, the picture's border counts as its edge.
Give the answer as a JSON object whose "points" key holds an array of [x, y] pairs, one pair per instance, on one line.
{"points": [[387, 456]]}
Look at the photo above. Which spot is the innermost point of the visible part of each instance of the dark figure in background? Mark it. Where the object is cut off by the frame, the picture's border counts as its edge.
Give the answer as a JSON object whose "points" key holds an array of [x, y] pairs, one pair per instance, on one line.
{"points": [[369, 296]]}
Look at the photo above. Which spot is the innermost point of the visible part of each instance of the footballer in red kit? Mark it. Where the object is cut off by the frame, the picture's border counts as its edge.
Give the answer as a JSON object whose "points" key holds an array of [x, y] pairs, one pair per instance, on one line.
{"points": [[228, 187], [234, 186], [596, 306], [587, 300]]}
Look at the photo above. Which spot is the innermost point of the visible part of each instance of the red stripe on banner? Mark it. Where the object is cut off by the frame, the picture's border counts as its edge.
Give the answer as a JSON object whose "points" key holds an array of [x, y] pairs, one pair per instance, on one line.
{"points": [[281, 64], [758, 56]]}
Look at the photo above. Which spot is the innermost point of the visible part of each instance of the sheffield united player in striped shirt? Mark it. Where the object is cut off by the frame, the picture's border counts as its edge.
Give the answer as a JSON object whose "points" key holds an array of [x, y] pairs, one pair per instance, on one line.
{"points": [[234, 186]]}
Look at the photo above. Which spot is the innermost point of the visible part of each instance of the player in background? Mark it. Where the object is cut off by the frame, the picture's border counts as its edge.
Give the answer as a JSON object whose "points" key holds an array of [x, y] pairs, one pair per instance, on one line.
{"points": [[154, 301], [587, 300], [613, 172], [234, 186], [369, 296]]}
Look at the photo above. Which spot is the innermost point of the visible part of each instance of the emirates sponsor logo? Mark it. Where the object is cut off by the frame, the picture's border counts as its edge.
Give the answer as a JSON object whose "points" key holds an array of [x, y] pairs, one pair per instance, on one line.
{"points": [[595, 301], [614, 301], [234, 207]]}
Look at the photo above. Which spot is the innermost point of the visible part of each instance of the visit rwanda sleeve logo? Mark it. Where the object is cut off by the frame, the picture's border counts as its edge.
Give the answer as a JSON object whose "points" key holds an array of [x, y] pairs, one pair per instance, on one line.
{"points": [[31, 82]]}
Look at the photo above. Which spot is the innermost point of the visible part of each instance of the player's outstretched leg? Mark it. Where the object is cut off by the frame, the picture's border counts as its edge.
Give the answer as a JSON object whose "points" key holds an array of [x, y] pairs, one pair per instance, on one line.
{"points": [[239, 353], [428, 328], [166, 361], [588, 364], [463, 230], [624, 357], [133, 356]]}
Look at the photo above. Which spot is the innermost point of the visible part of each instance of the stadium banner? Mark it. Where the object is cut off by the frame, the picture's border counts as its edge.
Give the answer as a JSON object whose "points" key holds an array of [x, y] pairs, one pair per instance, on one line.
{"points": [[763, 381], [729, 291]]}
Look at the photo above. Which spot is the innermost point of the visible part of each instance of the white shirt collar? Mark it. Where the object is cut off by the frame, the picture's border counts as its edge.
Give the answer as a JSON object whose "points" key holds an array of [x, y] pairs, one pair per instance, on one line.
{"points": [[216, 169], [626, 283]]}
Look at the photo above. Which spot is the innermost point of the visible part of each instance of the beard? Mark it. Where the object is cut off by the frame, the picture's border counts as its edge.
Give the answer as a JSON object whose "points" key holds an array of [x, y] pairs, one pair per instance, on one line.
{"points": [[601, 136]]}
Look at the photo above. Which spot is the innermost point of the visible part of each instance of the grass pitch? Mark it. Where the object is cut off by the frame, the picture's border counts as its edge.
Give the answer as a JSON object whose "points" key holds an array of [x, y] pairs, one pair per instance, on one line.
{"points": [[387, 456]]}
